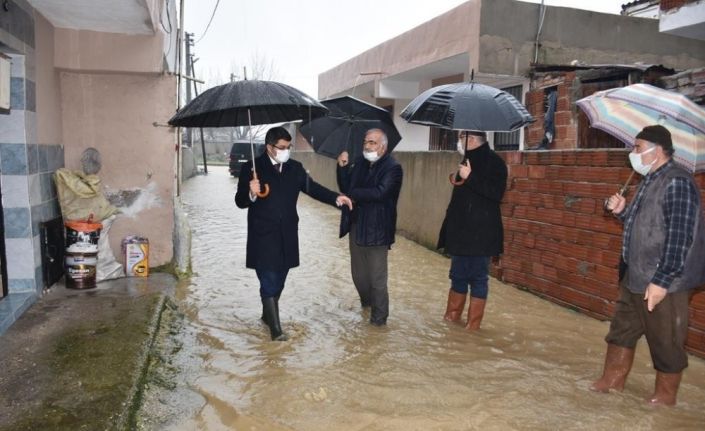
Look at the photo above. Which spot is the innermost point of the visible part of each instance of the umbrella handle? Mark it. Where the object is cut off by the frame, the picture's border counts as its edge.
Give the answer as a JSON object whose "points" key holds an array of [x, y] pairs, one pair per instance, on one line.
{"points": [[622, 191], [261, 194], [264, 193], [455, 182]]}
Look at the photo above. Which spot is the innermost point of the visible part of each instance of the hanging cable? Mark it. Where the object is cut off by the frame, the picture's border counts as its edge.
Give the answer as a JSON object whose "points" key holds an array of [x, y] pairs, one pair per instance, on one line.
{"points": [[168, 17], [168, 32], [537, 44], [209, 22]]}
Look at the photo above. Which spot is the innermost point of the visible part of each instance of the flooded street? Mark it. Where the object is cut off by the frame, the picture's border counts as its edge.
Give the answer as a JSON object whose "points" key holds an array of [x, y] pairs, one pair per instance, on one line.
{"points": [[529, 367]]}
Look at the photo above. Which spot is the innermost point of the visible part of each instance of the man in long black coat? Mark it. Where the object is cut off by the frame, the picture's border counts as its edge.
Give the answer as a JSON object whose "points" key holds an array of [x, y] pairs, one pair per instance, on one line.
{"points": [[373, 182], [272, 220], [472, 231]]}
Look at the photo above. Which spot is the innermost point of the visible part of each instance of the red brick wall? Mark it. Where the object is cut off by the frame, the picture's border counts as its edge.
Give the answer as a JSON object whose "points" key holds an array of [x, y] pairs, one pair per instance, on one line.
{"points": [[566, 125], [559, 243], [672, 4]]}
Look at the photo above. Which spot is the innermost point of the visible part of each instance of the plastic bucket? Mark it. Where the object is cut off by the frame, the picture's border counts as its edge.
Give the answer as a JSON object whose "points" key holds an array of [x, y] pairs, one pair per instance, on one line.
{"points": [[81, 257], [86, 231], [81, 267]]}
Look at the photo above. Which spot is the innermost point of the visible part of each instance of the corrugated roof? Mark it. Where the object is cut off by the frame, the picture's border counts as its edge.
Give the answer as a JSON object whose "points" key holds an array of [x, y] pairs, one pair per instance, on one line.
{"points": [[580, 66], [635, 3]]}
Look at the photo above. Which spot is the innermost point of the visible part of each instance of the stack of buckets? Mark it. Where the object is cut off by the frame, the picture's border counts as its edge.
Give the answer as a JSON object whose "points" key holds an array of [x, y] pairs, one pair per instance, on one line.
{"points": [[82, 253]]}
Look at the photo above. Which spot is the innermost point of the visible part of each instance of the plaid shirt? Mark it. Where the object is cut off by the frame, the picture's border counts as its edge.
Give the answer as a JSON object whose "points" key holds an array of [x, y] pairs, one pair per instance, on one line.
{"points": [[680, 211]]}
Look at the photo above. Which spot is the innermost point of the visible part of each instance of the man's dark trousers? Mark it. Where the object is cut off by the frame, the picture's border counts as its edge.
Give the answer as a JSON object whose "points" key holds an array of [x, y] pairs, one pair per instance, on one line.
{"points": [[271, 282], [368, 265]]}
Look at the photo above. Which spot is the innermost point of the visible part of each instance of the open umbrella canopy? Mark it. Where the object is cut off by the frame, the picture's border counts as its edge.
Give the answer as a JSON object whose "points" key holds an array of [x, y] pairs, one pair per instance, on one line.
{"points": [[623, 112], [227, 105], [467, 106], [345, 126]]}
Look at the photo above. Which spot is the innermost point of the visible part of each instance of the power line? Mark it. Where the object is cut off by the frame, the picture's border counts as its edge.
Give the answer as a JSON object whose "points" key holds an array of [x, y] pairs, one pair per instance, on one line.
{"points": [[209, 22]]}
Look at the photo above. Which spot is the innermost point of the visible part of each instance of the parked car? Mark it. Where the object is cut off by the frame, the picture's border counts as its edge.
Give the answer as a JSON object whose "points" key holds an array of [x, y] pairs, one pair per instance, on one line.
{"points": [[240, 153]]}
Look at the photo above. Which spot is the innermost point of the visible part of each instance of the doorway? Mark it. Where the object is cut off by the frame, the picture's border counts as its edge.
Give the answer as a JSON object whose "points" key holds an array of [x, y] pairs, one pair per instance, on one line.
{"points": [[3, 260]]}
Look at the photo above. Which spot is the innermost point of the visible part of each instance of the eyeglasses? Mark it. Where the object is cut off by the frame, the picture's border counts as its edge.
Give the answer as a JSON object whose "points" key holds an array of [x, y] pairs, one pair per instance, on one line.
{"points": [[282, 148]]}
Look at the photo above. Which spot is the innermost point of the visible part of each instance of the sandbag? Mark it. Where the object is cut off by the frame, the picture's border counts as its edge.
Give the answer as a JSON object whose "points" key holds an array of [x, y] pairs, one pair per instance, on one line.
{"points": [[80, 196], [108, 267]]}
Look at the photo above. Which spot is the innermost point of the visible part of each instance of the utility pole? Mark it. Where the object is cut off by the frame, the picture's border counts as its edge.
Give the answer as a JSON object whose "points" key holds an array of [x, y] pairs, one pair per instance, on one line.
{"points": [[189, 70], [179, 80], [188, 42]]}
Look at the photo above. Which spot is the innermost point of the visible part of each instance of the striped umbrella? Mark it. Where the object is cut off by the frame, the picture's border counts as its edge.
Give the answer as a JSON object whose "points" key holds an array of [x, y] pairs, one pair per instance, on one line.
{"points": [[623, 112]]}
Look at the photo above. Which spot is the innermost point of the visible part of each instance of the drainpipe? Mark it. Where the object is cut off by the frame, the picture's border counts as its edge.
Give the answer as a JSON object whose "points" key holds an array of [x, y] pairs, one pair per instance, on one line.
{"points": [[542, 14]]}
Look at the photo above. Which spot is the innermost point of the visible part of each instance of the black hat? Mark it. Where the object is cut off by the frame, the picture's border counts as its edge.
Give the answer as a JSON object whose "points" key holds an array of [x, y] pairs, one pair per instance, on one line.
{"points": [[658, 135]]}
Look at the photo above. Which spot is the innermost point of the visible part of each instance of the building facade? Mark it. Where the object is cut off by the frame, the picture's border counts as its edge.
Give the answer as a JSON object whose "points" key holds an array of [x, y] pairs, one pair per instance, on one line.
{"points": [[83, 74], [499, 42]]}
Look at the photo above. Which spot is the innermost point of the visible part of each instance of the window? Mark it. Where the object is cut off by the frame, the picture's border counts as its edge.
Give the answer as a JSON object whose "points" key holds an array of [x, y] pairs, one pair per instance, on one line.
{"points": [[442, 139], [4, 84], [509, 141]]}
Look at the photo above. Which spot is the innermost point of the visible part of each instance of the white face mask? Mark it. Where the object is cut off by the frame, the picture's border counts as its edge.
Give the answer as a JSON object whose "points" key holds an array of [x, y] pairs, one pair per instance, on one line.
{"points": [[461, 146], [371, 156], [637, 163], [282, 156]]}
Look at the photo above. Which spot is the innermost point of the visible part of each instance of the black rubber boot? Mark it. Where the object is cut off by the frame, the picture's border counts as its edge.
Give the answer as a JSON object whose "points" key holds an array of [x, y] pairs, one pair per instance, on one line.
{"points": [[271, 317], [276, 302]]}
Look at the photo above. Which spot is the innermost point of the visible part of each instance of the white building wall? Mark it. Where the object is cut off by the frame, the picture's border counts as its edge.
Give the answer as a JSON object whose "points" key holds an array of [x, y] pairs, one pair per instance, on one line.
{"points": [[413, 136]]}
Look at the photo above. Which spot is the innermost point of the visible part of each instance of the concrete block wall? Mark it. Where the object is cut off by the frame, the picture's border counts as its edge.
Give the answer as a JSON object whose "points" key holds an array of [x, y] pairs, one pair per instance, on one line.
{"points": [[690, 83], [559, 243]]}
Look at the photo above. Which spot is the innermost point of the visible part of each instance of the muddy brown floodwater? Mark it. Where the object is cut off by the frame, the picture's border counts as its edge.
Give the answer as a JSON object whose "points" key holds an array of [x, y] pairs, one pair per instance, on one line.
{"points": [[529, 367]]}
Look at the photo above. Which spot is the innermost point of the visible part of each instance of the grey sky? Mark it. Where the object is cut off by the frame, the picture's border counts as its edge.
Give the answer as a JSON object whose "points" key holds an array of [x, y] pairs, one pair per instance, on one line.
{"points": [[303, 38]]}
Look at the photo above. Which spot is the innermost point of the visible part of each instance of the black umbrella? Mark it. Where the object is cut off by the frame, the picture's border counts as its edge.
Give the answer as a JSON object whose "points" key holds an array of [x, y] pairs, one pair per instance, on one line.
{"points": [[344, 128], [266, 102], [467, 106], [248, 103]]}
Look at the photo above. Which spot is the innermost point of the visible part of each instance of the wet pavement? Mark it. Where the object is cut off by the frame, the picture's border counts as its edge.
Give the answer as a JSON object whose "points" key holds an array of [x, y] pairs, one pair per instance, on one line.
{"points": [[529, 367], [75, 359]]}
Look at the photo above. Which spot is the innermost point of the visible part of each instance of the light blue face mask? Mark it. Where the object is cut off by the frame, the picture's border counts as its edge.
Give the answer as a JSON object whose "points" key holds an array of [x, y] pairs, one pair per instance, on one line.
{"points": [[638, 165]]}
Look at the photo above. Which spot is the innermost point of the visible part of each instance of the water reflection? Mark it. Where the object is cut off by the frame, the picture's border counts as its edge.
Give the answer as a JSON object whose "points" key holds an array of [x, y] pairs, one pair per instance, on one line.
{"points": [[528, 368]]}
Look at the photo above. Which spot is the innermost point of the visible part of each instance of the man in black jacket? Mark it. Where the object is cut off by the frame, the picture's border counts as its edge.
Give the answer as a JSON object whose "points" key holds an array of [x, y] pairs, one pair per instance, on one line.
{"points": [[472, 231], [373, 183], [272, 220]]}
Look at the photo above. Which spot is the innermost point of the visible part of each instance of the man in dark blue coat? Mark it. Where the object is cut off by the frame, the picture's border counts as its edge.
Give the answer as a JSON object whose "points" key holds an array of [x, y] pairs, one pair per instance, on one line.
{"points": [[472, 230], [272, 220], [373, 183]]}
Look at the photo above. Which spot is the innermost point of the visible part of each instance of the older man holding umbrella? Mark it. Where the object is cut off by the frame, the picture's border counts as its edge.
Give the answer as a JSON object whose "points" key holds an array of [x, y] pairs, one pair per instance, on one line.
{"points": [[663, 246], [361, 136], [472, 230], [373, 182], [664, 249]]}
